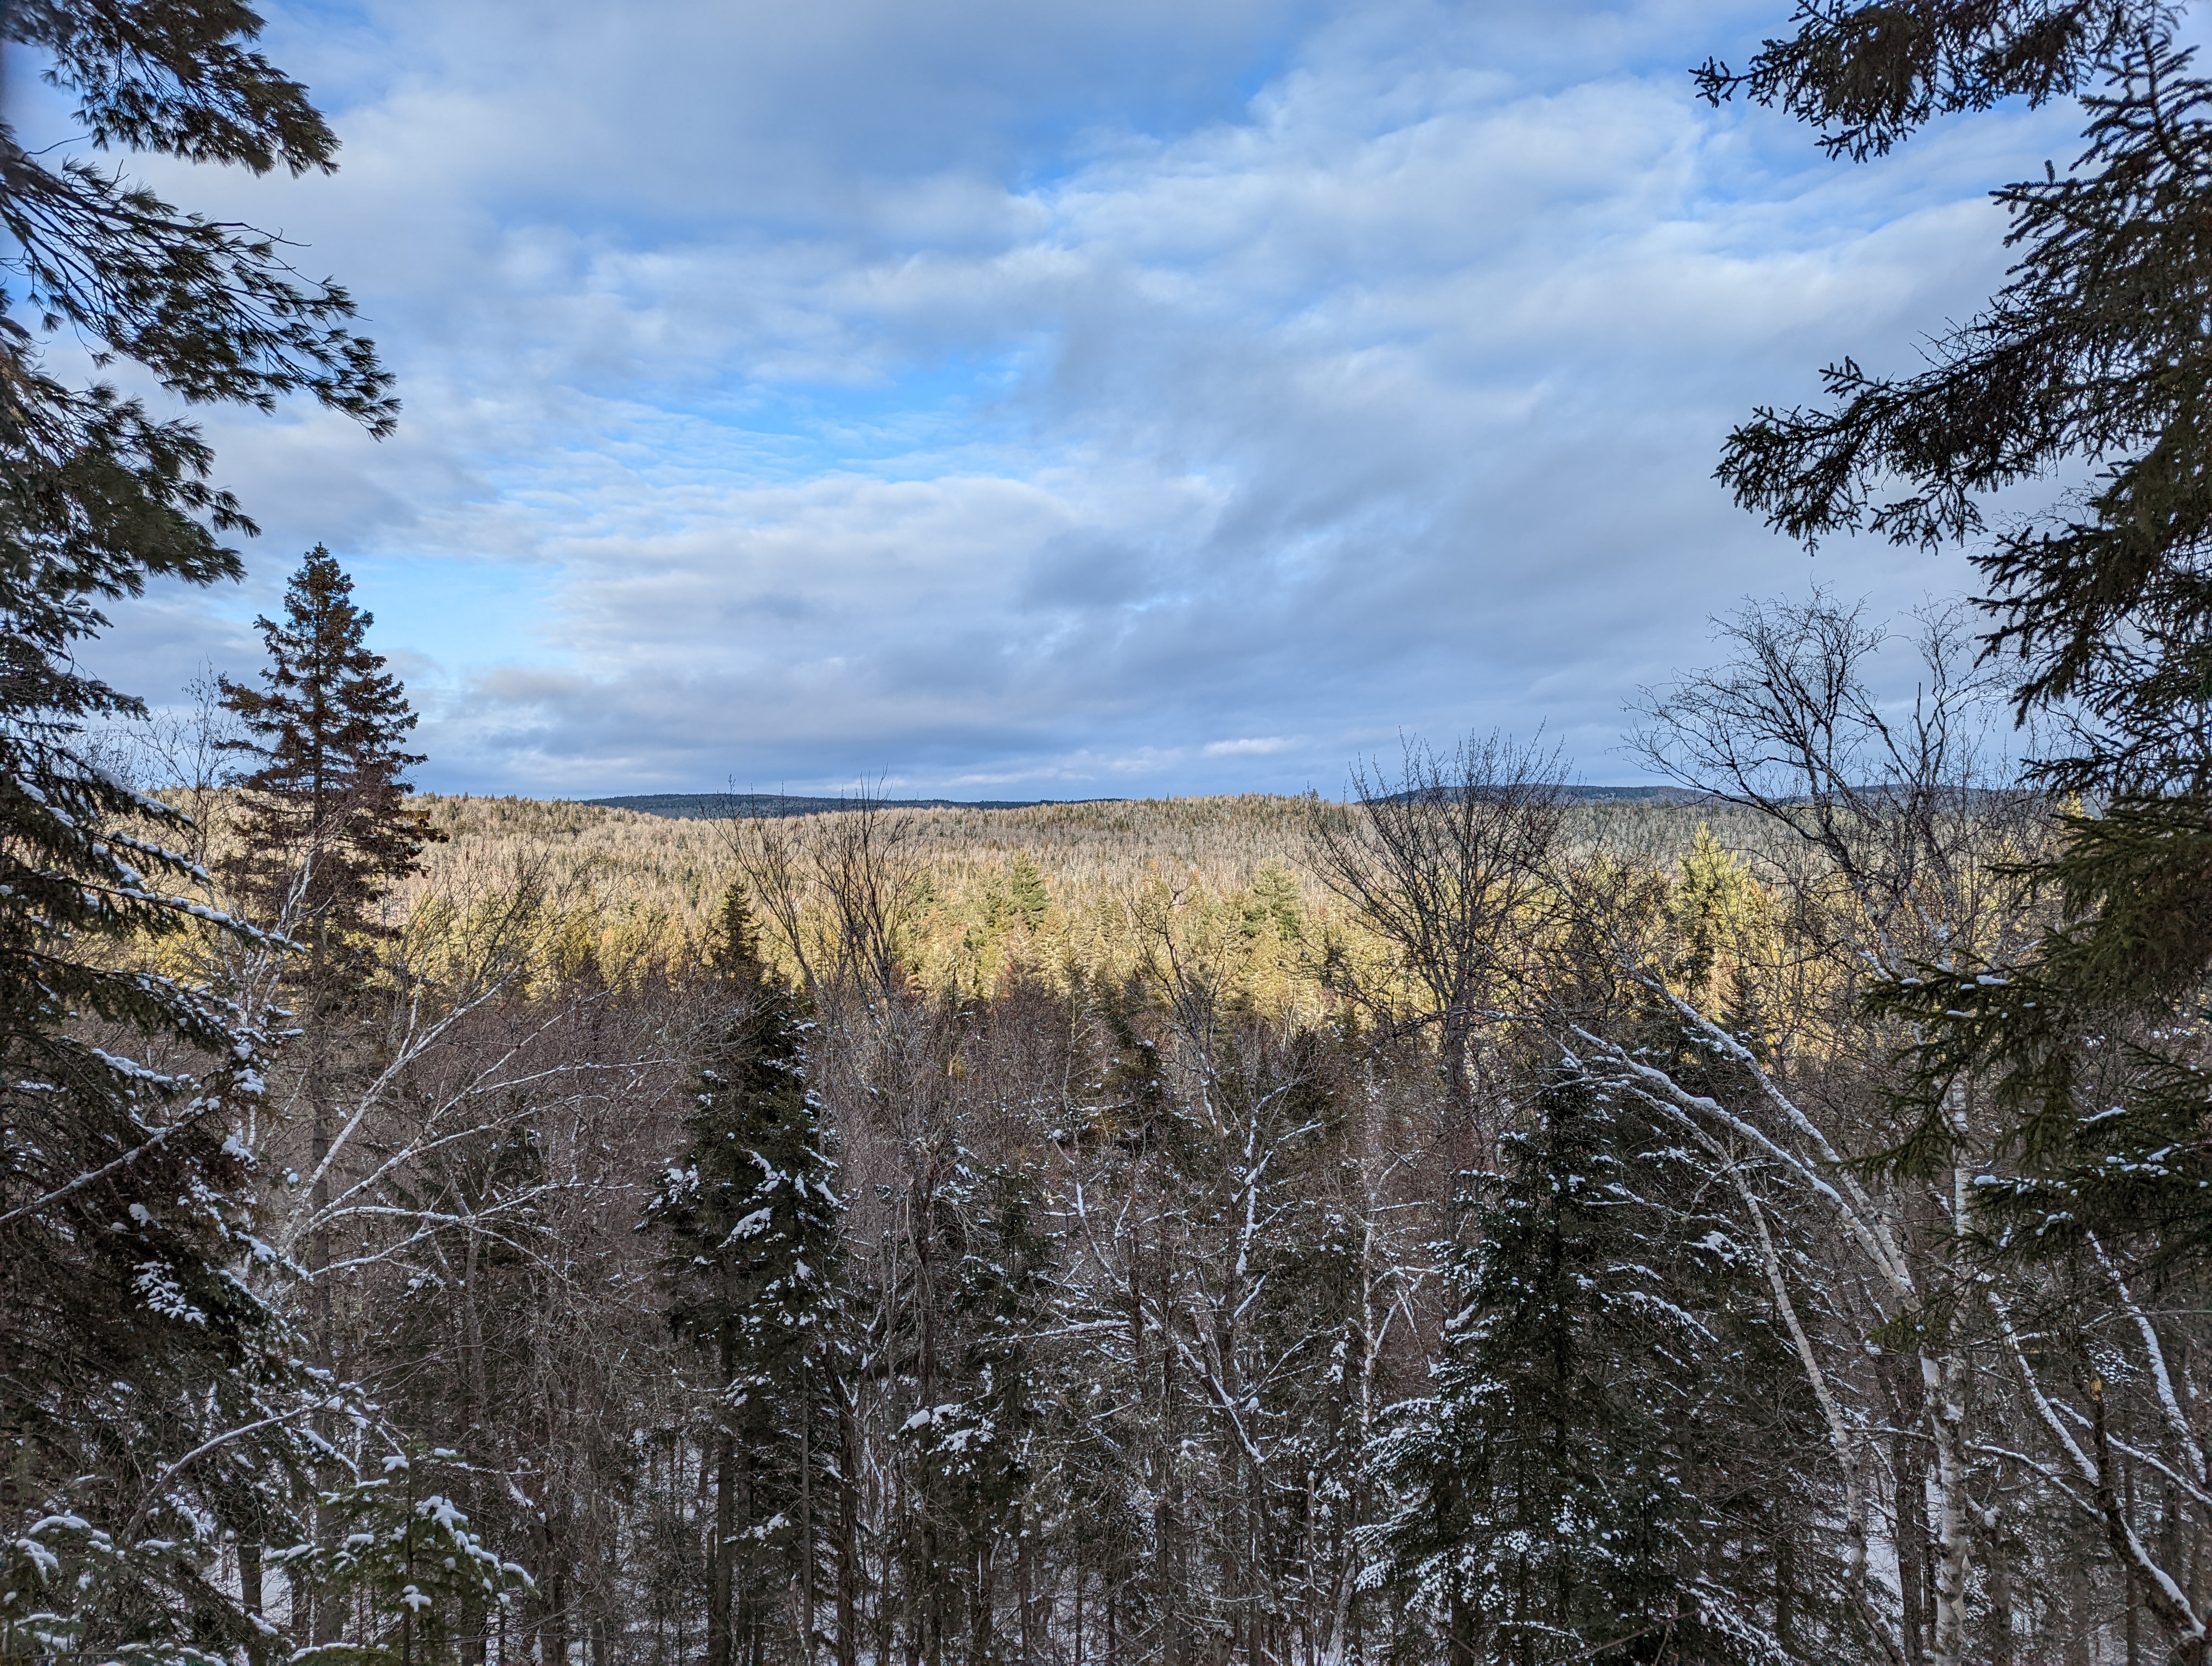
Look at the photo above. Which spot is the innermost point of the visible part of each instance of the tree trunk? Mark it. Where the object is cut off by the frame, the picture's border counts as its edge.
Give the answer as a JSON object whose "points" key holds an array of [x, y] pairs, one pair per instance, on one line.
{"points": [[980, 1640], [1023, 1591], [303, 1600], [745, 1578], [475, 1417], [1953, 1552], [1168, 1517], [2001, 1607], [2075, 1619], [1459, 1646], [849, 1531], [906, 1544], [1909, 1465], [317, 1086], [1459, 1083], [2000, 1615], [2131, 1624], [930, 1619], [1785, 1588], [807, 1518], [249, 1576], [322, 1624], [718, 1556], [553, 1626]]}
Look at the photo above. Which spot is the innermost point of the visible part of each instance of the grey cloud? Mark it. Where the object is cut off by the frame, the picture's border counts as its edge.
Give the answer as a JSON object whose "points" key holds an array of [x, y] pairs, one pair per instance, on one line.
{"points": [[1386, 400]]}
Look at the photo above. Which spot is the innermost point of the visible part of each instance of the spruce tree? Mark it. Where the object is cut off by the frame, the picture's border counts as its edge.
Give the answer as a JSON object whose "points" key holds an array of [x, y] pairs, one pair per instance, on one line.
{"points": [[1547, 1510], [753, 1232], [975, 1444], [325, 831], [147, 1397], [2094, 359], [327, 828]]}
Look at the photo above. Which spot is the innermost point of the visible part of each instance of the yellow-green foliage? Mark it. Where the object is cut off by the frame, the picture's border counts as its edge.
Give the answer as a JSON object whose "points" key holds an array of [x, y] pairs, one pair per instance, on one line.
{"points": [[1104, 892], [1212, 888], [1727, 925], [1057, 892]]}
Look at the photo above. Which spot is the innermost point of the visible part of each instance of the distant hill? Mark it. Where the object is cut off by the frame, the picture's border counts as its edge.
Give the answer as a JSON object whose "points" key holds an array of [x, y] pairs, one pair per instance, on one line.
{"points": [[1576, 794], [718, 806], [1635, 795]]}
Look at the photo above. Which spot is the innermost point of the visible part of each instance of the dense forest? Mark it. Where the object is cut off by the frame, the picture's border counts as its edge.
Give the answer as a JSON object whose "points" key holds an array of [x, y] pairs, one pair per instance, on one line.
{"points": [[1461, 1222]]}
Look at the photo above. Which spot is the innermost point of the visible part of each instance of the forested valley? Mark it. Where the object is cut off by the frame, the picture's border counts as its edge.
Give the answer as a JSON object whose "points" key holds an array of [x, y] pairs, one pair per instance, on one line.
{"points": [[1463, 1222], [1458, 1222]]}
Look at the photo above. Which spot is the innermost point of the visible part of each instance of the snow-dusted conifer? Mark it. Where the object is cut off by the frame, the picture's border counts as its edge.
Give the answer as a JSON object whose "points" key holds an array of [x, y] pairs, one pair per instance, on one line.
{"points": [[1547, 1508], [752, 1230], [130, 1342], [324, 831], [145, 1393], [976, 1442]]}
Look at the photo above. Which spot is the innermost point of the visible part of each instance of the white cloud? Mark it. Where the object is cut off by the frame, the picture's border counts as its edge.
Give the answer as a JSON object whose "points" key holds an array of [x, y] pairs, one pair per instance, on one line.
{"points": [[991, 394]]}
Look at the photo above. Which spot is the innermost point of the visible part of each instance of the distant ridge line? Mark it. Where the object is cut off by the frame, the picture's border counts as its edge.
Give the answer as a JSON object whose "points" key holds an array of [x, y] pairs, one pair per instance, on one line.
{"points": [[1636, 794], [1580, 795], [717, 806]]}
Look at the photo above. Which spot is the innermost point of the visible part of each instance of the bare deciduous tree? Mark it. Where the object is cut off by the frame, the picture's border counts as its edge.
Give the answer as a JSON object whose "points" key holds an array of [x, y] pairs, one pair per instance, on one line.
{"points": [[838, 890], [1444, 862]]}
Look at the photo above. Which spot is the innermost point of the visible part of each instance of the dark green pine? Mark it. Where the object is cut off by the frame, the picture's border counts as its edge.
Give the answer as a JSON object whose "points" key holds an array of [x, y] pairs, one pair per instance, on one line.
{"points": [[1543, 1483], [2092, 360], [753, 1234], [326, 826]]}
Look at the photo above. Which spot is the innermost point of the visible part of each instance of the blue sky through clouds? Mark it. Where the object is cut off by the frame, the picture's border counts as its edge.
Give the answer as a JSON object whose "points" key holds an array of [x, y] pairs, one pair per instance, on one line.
{"points": [[1057, 401]]}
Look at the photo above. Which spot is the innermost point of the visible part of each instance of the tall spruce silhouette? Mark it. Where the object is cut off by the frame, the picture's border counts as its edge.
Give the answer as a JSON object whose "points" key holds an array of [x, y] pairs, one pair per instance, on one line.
{"points": [[327, 828], [753, 1233], [326, 831]]}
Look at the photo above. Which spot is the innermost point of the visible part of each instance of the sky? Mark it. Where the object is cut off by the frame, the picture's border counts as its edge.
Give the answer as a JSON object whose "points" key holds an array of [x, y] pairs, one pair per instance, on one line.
{"points": [[1107, 397]]}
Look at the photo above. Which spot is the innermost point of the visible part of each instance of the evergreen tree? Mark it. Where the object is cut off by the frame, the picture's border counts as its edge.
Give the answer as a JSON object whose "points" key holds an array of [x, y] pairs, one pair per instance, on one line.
{"points": [[753, 1233], [405, 1561], [2093, 357], [146, 1396], [976, 1442], [1025, 889], [325, 831], [327, 828], [1546, 1511]]}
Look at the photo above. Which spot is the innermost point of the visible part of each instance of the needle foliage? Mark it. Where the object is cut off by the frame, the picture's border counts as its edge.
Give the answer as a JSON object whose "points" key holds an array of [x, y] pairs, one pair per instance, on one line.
{"points": [[147, 1392], [2092, 363]]}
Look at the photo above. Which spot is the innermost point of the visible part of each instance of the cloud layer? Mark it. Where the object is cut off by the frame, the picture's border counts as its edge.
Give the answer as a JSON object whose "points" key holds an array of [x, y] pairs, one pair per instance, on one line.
{"points": [[1066, 400]]}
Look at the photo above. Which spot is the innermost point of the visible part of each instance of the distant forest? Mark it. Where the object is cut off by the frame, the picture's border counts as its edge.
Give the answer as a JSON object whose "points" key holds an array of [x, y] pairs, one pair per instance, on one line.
{"points": [[693, 806]]}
